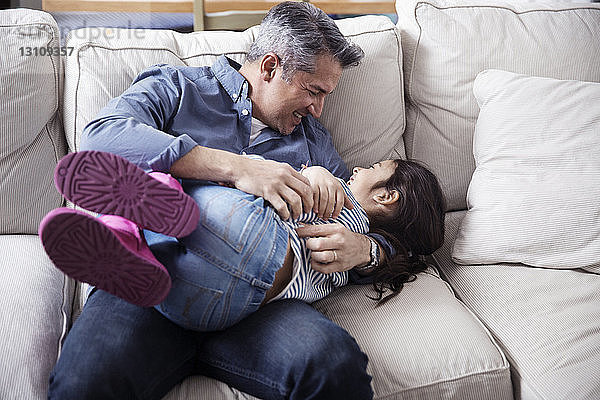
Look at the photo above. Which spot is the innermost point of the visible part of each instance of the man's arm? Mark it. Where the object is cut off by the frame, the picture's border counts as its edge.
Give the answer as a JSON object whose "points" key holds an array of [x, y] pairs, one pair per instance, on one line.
{"points": [[133, 124], [278, 183]]}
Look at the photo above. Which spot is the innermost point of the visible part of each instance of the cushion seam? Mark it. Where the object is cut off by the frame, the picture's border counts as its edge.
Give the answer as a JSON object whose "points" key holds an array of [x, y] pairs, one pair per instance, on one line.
{"points": [[496, 371], [439, 7], [391, 28]]}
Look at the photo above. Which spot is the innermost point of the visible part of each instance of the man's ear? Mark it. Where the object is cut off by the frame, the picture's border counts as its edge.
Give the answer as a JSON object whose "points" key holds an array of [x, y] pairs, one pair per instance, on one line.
{"points": [[268, 65], [386, 197]]}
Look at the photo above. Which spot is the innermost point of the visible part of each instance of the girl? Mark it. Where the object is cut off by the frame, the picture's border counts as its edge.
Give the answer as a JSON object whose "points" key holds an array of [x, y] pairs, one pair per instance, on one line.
{"points": [[232, 253]]}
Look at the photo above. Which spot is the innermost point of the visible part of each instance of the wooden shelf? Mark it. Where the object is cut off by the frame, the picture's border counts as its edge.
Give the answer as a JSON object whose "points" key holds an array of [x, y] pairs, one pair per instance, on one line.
{"points": [[329, 6], [214, 6], [162, 6]]}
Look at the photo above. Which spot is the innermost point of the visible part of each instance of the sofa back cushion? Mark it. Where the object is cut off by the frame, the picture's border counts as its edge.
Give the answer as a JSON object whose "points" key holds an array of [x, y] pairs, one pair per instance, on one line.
{"points": [[31, 135], [537, 174], [447, 43], [365, 114]]}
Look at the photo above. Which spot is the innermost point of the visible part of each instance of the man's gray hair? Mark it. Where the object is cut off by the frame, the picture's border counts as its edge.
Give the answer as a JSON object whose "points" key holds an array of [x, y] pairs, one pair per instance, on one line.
{"points": [[298, 32]]}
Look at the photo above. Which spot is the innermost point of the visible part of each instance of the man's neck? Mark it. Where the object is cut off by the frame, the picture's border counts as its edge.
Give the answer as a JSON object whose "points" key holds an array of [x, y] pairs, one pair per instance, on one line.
{"points": [[248, 71], [251, 73]]}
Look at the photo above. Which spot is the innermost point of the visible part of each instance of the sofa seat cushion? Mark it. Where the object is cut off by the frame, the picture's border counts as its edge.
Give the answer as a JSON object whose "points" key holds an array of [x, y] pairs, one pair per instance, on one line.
{"points": [[447, 43], [547, 321], [31, 135], [423, 343], [35, 309], [365, 114]]}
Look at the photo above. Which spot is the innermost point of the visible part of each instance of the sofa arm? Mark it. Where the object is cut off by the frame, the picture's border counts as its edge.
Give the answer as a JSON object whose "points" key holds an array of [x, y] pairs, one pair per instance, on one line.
{"points": [[30, 128]]}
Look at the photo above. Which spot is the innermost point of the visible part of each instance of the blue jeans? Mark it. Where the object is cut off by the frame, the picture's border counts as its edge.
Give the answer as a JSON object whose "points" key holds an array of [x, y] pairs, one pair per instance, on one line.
{"points": [[285, 350], [221, 271]]}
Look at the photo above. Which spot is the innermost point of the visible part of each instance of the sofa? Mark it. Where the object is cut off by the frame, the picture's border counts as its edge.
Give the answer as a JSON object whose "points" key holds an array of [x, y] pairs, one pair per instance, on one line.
{"points": [[510, 306]]}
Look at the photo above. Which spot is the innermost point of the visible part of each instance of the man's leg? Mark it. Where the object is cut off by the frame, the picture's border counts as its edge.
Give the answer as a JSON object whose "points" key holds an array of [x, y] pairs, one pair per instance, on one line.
{"points": [[116, 350], [287, 350]]}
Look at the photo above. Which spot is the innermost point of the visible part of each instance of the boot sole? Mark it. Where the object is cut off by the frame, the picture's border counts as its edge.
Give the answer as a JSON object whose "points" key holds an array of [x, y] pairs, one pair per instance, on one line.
{"points": [[86, 250], [108, 184]]}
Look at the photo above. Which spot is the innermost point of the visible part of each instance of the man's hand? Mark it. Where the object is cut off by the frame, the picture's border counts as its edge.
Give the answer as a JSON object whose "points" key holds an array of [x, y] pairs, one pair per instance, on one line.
{"points": [[335, 248], [278, 183], [328, 194]]}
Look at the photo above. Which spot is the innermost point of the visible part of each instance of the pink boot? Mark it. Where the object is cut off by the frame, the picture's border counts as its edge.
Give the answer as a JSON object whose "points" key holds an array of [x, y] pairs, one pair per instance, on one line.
{"points": [[107, 252], [108, 184]]}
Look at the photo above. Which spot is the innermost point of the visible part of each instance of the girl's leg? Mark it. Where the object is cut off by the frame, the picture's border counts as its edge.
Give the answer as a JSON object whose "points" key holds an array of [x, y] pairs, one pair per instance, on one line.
{"points": [[108, 184], [221, 271], [107, 252]]}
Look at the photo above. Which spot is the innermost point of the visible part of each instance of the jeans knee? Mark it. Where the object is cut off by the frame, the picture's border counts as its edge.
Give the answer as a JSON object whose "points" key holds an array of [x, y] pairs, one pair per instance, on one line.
{"points": [[333, 367], [67, 385]]}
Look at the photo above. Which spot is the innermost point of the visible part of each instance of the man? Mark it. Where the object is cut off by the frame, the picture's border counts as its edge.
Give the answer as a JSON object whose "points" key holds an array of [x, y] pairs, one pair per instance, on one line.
{"points": [[198, 123]]}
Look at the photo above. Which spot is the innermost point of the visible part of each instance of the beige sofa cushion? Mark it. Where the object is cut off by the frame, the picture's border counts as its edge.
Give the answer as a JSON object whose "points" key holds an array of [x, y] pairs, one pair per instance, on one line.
{"points": [[423, 344], [365, 114], [35, 310], [547, 321], [31, 136], [447, 43], [537, 175]]}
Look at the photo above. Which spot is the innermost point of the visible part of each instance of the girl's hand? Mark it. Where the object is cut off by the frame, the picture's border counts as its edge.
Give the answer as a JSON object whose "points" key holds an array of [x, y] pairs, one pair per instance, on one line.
{"points": [[328, 194]]}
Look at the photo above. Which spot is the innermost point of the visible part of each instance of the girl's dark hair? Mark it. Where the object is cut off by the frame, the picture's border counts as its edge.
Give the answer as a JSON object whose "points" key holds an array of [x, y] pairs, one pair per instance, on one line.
{"points": [[415, 229]]}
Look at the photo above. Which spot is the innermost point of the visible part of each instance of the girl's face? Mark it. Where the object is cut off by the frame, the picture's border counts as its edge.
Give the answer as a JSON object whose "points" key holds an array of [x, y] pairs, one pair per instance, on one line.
{"points": [[368, 183]]}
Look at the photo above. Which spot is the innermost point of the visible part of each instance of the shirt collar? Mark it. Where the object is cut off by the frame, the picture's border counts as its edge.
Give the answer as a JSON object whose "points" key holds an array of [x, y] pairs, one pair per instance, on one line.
{"points": [[234, 83], [236, 86]]}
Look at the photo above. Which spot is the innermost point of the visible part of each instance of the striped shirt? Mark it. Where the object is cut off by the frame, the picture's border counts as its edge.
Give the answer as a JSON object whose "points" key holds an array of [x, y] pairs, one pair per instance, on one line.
{"points": [[306, 283]]}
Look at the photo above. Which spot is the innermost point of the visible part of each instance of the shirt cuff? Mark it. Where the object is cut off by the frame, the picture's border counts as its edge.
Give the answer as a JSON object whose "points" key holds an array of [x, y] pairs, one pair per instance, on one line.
{"points": [[357, 279], [389, 250], [178, 148], [354, 278]]}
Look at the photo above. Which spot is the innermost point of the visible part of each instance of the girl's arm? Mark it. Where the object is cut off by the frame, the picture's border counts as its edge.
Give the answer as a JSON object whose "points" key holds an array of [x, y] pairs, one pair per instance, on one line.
{"points": [[328, 194]]}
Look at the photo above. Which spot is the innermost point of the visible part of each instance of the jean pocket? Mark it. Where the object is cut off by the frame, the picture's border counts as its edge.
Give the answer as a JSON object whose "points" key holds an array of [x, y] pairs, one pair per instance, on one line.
{"points": [[192, 306], [230, 214]]}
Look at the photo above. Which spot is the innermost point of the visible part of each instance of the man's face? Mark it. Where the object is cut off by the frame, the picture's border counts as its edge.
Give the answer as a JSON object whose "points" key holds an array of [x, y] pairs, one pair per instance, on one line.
{"points": [[281, 105]]}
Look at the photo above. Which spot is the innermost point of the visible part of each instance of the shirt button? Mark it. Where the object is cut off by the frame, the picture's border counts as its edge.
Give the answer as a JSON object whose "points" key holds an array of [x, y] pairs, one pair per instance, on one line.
{"points": [[245, 112], [235, 96]]}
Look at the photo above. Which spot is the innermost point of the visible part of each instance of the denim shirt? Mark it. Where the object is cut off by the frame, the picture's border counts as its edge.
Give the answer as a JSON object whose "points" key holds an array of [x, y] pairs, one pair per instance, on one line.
{"points": [[170, 109]]}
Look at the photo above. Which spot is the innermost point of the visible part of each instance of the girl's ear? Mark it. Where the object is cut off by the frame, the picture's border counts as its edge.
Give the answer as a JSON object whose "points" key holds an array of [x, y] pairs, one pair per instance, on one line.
{"points": [[386, 197]]}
